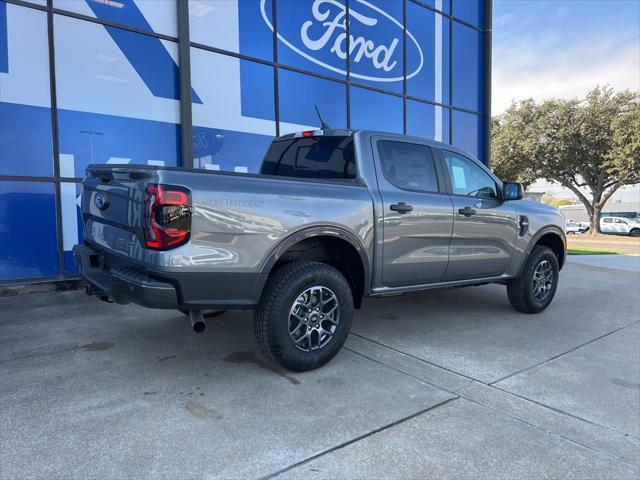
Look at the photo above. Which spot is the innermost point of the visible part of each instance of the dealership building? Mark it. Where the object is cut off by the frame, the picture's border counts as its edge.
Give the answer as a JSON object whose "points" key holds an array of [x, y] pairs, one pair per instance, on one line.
{"points": [[208, 84]]}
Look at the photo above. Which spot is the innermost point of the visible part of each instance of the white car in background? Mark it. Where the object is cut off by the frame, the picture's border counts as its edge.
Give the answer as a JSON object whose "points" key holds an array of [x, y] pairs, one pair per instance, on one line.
{"points": [[571, 228], [620, 226]]}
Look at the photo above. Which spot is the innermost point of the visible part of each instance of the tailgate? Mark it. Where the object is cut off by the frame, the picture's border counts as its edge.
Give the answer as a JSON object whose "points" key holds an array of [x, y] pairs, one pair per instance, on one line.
{"points": [[113, 206]]}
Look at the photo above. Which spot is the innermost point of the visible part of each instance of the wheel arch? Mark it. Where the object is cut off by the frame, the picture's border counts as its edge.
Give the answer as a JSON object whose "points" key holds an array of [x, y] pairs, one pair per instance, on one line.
{"points": [[553, 238], [329, 244]]}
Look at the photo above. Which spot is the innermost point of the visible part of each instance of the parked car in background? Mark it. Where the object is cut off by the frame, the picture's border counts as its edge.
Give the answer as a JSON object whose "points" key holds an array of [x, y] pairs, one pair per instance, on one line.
{"points": [[571, 228], [335, 216], [620, 226]]}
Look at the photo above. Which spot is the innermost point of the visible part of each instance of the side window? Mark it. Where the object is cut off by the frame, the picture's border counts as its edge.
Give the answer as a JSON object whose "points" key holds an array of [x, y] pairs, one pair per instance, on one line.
{"points": [[408, 166], [619, 220], [467, 178], [607, 220]]}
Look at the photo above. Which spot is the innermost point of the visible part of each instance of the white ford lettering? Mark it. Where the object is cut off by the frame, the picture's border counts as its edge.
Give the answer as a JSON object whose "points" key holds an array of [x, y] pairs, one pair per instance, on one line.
{"points": [[329, 18]]}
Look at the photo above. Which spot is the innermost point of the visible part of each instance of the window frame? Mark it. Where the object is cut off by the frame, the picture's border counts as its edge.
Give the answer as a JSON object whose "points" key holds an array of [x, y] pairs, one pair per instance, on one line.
{"points": [[441, 155], [439, 180], [379, 170]]}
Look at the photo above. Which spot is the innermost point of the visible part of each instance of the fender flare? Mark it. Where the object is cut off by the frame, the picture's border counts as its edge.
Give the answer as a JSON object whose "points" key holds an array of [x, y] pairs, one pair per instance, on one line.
{"points": [[541, 233], [317, 231]]}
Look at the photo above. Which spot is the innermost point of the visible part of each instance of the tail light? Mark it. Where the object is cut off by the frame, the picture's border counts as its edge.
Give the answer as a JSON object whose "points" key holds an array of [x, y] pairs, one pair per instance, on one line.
{"points": [[167, 217]]}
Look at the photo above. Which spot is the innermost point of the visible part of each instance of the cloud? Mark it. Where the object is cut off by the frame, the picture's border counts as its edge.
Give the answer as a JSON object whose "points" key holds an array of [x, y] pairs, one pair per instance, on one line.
{"points": [[556, 60]]}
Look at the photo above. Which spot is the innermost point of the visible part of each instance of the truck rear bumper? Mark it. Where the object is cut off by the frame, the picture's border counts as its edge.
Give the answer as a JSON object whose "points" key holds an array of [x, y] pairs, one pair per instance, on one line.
{"points": [[124, 283]]}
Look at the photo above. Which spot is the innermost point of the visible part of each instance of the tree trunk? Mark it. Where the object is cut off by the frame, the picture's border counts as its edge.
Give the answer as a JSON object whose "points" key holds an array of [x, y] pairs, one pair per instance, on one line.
{"points": [[595, 219]]}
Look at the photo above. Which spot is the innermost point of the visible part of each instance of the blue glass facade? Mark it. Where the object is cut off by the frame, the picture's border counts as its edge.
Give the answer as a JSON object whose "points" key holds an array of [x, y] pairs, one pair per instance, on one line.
{"points": [[75, 92]]}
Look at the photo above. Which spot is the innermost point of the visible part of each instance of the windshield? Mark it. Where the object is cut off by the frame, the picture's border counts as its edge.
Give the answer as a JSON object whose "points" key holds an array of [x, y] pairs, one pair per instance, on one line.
{"points": [[330, 157]]}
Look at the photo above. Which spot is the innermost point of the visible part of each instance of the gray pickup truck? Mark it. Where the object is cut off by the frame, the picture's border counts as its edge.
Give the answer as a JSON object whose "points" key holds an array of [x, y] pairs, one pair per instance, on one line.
{"points": [[334, 216]]}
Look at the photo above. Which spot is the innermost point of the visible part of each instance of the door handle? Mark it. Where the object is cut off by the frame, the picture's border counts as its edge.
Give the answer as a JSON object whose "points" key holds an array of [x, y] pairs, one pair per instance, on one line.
{"points": [[467, 211], [401, 207]]}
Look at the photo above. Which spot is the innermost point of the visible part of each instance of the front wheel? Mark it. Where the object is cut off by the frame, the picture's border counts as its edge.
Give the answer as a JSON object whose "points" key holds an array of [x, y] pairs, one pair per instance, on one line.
{"points": [[536, 286], [304, 315], [635, 233]]}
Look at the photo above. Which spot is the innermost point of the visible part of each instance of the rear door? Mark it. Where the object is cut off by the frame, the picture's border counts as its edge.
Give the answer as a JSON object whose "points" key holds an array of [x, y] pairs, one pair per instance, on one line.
{"points": [[606, 225], [417, 212], [484, 227]]}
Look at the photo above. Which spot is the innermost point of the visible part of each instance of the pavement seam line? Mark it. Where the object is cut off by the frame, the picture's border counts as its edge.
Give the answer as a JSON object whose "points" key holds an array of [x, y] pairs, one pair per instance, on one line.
{"points": [[492, 385], [493, 408], [358, 438], [557, 410], [421, 380], [415, 357], [562, 354]]}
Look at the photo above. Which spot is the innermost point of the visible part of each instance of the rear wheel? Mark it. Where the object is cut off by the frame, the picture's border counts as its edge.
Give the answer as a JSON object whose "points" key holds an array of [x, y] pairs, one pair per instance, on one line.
{"points": [[304, 315], [536, 286]]}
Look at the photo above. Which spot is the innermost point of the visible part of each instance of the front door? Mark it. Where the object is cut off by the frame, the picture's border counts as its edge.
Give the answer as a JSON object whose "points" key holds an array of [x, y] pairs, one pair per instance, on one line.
{"points": [[484, 227], [417, 213]]}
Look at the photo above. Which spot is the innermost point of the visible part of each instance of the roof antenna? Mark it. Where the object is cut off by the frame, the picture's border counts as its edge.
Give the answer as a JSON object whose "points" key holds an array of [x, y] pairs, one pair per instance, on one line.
{"points": [[323, 126]]}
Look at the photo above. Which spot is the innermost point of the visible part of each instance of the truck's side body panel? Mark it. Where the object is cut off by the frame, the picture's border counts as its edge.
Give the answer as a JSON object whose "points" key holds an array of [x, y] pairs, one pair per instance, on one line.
{"points": [[240, 224]]}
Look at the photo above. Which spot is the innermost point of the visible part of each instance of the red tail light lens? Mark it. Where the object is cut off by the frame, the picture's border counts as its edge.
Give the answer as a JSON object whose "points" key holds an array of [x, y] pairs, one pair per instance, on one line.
{"points": [[167, 217]]}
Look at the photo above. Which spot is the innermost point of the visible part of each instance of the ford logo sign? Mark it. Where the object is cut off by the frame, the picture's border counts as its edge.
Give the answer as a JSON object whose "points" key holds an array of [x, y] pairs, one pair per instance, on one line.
{"points": [[376, 57], [101, 200]]}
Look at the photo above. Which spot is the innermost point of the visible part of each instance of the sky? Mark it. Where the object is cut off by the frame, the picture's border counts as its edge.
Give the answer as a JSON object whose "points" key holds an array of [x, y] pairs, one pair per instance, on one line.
{"points": [[563, 48]]}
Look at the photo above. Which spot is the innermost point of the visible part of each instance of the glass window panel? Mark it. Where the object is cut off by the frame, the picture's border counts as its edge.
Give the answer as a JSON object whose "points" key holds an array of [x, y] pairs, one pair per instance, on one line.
{"points": [[372, 110], [157, 16], [72, 224], [118, 97], [325, 157], [467, 178], [468, 133], [468, 68], [440, 5], [471, 11], [431, 31], [376, 29], [25, 113], [27, 230], [408, 166], [312, 36], [428, 121], [235, 122], [299, 95], [232, 25]]}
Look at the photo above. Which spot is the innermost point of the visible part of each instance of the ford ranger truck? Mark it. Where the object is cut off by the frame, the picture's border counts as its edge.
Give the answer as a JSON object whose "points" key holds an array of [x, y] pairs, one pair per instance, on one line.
{"points": [[333, 217]]}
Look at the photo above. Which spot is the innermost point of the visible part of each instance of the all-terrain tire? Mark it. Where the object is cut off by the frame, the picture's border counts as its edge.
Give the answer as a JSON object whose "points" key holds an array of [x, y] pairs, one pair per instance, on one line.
{"points": [[521, 291], [272, 317]]}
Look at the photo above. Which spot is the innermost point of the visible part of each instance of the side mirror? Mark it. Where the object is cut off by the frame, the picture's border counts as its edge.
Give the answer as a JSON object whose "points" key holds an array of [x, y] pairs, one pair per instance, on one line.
{"points": [[512, 191]]}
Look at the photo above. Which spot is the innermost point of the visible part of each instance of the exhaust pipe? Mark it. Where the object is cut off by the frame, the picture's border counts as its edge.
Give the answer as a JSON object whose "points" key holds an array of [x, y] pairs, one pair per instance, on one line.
{"points": [[198, 323]]}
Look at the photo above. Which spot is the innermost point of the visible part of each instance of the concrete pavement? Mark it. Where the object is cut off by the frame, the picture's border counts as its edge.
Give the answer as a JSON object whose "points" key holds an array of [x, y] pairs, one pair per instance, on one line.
{"points": [[451, 384]]}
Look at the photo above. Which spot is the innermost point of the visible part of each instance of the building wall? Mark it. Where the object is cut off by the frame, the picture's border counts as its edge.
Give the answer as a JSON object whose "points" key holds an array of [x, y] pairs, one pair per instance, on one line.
{"points": [[98, 81]]}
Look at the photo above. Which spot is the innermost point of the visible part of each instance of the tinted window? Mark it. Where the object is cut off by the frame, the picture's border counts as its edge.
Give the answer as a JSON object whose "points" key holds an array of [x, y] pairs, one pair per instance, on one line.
{"points": [[408, 165], [467, 178], [316, 157], [607, 220]]}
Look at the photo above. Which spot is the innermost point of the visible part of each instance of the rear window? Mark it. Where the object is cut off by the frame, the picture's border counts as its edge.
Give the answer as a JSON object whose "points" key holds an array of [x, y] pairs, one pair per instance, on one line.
{"points": [[330, 157]]}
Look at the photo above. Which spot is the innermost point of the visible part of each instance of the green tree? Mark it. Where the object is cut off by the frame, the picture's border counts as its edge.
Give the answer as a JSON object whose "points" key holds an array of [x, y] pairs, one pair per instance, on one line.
{"points": [[591, 144]]}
